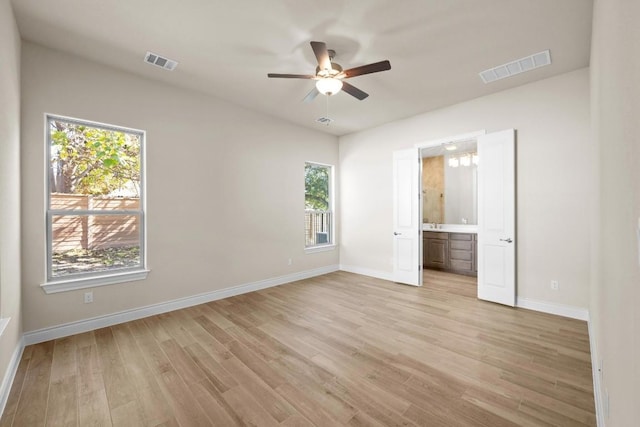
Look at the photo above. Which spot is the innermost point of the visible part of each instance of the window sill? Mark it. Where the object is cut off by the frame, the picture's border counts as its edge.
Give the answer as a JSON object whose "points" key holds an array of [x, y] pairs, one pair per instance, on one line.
{"points": [[319, 248], [92, 282]]}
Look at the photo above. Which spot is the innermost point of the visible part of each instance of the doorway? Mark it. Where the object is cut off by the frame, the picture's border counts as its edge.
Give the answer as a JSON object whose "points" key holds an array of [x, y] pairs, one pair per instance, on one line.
{"points": [[450, 207], [447, 241]]}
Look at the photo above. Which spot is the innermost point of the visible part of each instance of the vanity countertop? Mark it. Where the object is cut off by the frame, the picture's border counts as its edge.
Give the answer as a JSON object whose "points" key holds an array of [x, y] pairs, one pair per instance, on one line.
{"points": [[451, 228]]}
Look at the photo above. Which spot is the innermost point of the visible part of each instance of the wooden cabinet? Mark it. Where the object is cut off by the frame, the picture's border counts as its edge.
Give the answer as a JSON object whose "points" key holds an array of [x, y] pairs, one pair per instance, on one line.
{"points": [[436, 250], [454, 252]]}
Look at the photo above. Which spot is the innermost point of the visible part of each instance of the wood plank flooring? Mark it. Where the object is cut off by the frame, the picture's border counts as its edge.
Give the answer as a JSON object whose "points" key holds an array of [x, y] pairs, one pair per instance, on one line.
{"points": [[339, 349]]}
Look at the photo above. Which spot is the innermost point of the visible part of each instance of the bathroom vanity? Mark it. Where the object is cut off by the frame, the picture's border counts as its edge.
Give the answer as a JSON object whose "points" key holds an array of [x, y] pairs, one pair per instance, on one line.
{"points": [[450, 248]]}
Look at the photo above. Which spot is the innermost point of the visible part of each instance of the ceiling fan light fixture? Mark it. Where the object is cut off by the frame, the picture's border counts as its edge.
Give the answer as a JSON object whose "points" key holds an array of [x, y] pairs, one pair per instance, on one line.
{"points": [[329, 86]]}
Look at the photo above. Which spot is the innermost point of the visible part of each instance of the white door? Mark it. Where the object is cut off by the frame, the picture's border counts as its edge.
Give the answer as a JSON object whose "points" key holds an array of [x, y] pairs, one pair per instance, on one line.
{"points": [[407, 220], [497, 217]]}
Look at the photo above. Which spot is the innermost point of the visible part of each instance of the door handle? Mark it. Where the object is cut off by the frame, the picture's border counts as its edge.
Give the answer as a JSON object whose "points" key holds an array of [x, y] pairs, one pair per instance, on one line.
{"points": [[395, 233], [508, 240]]}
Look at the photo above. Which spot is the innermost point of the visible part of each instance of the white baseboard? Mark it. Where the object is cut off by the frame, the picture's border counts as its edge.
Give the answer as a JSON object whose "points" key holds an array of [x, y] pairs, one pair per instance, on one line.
{"points": [[553, 308], [10, 375], [91, 324], [597, 386], [384, 275]]}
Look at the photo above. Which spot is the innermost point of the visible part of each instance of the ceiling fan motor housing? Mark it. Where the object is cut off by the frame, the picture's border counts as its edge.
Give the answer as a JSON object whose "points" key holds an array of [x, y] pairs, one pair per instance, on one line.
{"points": [[334, 71]]}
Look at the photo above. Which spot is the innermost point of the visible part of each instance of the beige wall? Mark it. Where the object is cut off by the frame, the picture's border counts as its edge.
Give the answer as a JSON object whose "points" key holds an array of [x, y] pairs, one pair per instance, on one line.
{"points": [[238, 176], [10, 297], [552, 122], [615, 294], [433, 189]]}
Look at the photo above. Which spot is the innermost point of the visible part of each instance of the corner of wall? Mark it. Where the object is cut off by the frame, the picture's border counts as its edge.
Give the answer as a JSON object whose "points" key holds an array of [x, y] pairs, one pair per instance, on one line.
{"points": [[595, 369]]}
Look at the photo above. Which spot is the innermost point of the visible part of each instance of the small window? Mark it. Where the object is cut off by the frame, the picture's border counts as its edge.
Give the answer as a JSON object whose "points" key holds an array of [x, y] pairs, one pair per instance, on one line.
{"points": [[95, 200], [318, 203]]}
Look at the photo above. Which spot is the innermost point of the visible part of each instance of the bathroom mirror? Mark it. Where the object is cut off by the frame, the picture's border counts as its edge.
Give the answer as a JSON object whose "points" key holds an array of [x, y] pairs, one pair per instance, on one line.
{"points": [[450, 183]]}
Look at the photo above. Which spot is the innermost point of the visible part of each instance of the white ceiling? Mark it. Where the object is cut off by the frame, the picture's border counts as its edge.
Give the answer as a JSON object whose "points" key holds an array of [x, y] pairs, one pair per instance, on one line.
{"points": [[226, 48]]}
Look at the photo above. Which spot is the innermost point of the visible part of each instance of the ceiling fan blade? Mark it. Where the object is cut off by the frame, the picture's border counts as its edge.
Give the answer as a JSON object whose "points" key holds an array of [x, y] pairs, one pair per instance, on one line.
{"points": [[366, 69], [322, 55], [354, 91], [290, 76], [311, 95]]}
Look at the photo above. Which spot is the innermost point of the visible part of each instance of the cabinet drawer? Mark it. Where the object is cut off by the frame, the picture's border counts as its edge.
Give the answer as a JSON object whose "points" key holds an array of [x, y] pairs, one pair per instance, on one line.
{"points": [[435, 235], [461, 255], [466, 266], [461, 244], [461, 236]]}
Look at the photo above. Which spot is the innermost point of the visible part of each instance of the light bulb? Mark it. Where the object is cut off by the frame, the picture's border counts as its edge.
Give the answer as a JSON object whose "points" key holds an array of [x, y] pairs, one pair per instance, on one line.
{"points": [[329, 86], [474, 158], [465, 160], [453, 162]]}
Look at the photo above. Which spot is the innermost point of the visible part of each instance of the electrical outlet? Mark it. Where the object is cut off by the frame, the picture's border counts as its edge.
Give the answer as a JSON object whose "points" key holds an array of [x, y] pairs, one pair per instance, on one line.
{"points": [[290, 261], [554, 285], [88, 297], [601, 370]]}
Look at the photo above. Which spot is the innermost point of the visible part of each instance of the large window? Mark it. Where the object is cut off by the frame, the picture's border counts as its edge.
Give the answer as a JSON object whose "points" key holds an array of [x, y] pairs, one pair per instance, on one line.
{"points": [[318, 189], [95, 202]]}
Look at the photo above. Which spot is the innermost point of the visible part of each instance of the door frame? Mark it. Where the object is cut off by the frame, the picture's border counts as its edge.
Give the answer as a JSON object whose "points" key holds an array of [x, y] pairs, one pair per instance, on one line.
{"points": [[455, 138], [435, 143]]}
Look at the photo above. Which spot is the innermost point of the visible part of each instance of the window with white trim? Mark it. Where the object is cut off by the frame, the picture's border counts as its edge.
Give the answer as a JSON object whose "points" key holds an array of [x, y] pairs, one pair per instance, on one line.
{"points": [[318, 203], [95, 215]]}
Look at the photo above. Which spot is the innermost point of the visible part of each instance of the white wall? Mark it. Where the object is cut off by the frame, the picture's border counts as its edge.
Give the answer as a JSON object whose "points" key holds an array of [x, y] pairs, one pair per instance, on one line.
{"points": [[615, 294], [225, 186], [10, 297], [553, 139]]}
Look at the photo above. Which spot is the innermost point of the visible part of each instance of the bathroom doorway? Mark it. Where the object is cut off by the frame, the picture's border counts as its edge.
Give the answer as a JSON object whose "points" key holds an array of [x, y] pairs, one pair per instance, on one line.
{"points": [[495, 239], [450, 206]]}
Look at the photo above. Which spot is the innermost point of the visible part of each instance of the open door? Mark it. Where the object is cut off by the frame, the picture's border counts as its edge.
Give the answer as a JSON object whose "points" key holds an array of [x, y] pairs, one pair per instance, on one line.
{"points": [[497, 217], [407, 220]]}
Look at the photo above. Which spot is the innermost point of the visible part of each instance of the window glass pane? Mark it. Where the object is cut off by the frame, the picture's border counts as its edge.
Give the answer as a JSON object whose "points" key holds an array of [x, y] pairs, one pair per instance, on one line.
{"points": [[94, 243], [91, 161], [316, 194], [317, 226], [317, 200]]}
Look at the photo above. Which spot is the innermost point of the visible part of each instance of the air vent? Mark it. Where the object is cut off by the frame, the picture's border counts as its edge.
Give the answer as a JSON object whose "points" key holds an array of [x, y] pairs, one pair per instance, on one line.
{"points": [[159, 61], [518, 66], [324, 120]]}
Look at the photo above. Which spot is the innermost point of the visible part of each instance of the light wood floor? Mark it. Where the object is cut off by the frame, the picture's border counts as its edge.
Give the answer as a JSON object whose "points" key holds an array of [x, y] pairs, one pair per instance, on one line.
{"points": [[340, 349]]}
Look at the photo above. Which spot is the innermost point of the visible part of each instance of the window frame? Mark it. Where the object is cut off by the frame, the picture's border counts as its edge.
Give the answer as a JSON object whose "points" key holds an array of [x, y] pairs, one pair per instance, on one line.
{"points": [[54, 284], [322, 247]]}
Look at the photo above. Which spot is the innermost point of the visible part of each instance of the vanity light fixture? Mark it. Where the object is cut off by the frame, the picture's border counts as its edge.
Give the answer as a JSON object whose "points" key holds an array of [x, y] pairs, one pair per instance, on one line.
{"points": [[465, 159]]}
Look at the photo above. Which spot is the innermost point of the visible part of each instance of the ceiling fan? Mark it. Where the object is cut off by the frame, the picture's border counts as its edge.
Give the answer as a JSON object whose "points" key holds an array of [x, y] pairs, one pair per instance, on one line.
{"points": [[330, 76]]}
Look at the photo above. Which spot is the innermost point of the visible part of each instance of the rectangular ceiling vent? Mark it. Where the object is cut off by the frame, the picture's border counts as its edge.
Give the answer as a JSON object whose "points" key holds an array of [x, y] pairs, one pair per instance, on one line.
{"points": [[160, 61], [324, 120], [518, 66]]}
